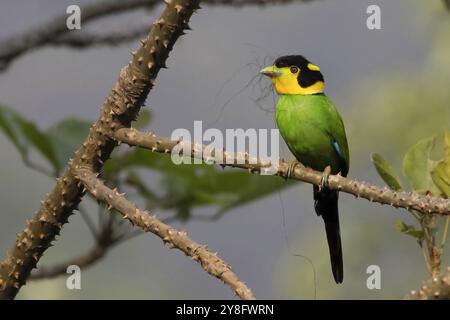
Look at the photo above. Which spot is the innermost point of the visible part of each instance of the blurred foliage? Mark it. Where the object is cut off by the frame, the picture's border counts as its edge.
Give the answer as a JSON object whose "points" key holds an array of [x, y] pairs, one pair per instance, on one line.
{"points": [[386, 172], [25, 135], [409, 230], [392, 102], [441, 171], [419, 167], [423, 172], [180, 188], [389, 112]]}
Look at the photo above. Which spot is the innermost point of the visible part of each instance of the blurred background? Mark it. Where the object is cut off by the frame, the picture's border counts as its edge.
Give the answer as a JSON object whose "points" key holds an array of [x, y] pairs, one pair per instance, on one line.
{"points": [[391, 87]]}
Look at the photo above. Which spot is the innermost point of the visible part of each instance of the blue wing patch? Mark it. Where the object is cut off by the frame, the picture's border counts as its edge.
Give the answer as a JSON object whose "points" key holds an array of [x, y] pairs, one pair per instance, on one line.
{"points": [[338, 150]]}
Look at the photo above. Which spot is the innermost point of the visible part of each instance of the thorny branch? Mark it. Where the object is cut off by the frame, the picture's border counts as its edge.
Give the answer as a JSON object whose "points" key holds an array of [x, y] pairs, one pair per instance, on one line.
{"points": [[209, 261], [84, 261], [425, 204], [120, 108], [436, 288]]}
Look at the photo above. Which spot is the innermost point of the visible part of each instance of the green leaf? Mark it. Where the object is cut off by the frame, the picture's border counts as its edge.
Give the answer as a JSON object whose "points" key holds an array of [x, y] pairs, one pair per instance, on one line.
{"points": [[417, 166], [66, 137], [441, 173], [386, 172], [25, 134], [409, 230]]}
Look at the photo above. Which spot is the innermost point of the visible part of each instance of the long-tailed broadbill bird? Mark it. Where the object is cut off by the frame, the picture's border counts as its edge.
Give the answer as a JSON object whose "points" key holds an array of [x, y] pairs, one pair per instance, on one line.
{"points": [[314, 132]]}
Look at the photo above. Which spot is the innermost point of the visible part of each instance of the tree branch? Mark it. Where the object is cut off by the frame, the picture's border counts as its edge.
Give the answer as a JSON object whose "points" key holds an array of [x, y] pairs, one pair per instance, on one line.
{"points": [[51, 32], [105, 241], [86, 260], [120, 108], [209, 261], [436, 288], [409, 201], [82, 40]]}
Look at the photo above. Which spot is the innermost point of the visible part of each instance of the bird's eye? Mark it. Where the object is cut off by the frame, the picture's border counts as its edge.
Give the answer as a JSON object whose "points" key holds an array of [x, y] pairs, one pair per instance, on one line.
{"points": [[294, 69]]}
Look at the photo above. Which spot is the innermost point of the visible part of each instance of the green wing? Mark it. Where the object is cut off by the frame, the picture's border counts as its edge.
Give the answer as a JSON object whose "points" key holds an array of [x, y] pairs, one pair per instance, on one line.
{"points": [[338, 138]]}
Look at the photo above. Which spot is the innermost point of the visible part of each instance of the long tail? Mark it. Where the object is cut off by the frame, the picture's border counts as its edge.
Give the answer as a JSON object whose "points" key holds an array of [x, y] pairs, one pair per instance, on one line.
{"points": [[326, 206]]}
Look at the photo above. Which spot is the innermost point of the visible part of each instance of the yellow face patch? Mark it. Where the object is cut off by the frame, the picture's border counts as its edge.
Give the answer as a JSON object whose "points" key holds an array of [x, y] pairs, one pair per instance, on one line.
{"points": [[285, 81]]}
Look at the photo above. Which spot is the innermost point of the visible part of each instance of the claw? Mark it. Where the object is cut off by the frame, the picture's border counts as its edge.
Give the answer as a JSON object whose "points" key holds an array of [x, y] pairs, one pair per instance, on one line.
{"points": [[324, 181], [291, 169]]}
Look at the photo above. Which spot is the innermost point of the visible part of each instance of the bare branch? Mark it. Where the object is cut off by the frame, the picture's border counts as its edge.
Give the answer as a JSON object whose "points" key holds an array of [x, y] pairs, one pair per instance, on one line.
{"points": [[436, 288], [410, 201], [17, 45], [174, 238], [81, 40], [84, 261], [89, 223], [119, 109], [105, 241], [52, 32]]}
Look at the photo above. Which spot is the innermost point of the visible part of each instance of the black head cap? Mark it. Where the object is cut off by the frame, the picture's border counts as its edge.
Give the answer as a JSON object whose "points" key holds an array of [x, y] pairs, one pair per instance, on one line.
{"points": [[306, 77]]}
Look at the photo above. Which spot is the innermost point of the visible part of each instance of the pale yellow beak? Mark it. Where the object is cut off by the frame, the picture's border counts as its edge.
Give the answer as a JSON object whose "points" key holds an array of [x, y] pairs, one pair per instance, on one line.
{"points": [[270, 71]]}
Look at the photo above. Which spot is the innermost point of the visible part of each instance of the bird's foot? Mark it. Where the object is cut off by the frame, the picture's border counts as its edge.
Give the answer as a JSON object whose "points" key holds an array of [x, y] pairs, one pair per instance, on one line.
{"points": [[324, 181], [291, 169]]}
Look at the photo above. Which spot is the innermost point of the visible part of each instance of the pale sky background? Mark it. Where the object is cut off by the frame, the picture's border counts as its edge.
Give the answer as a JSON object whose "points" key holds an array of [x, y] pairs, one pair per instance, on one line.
{"points": [[49, 84]]}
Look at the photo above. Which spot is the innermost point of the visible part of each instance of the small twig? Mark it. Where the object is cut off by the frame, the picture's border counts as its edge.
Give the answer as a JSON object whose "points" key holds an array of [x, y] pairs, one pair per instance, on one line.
{"points": [[416, 215], [105, 241], [87, 219], [410, 201], [28, 163], [424, 250], [209, 261], [84, 261], [445, 233], [434, 259]]}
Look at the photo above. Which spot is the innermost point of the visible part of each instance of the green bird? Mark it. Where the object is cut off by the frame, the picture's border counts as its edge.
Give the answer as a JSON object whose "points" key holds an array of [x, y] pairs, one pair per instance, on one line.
{"points": [[314, 132]]}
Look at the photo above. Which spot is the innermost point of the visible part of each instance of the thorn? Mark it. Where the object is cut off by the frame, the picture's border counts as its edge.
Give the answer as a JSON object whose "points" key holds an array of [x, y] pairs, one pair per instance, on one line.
{"points": [[159, 22], [178, 7]]}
